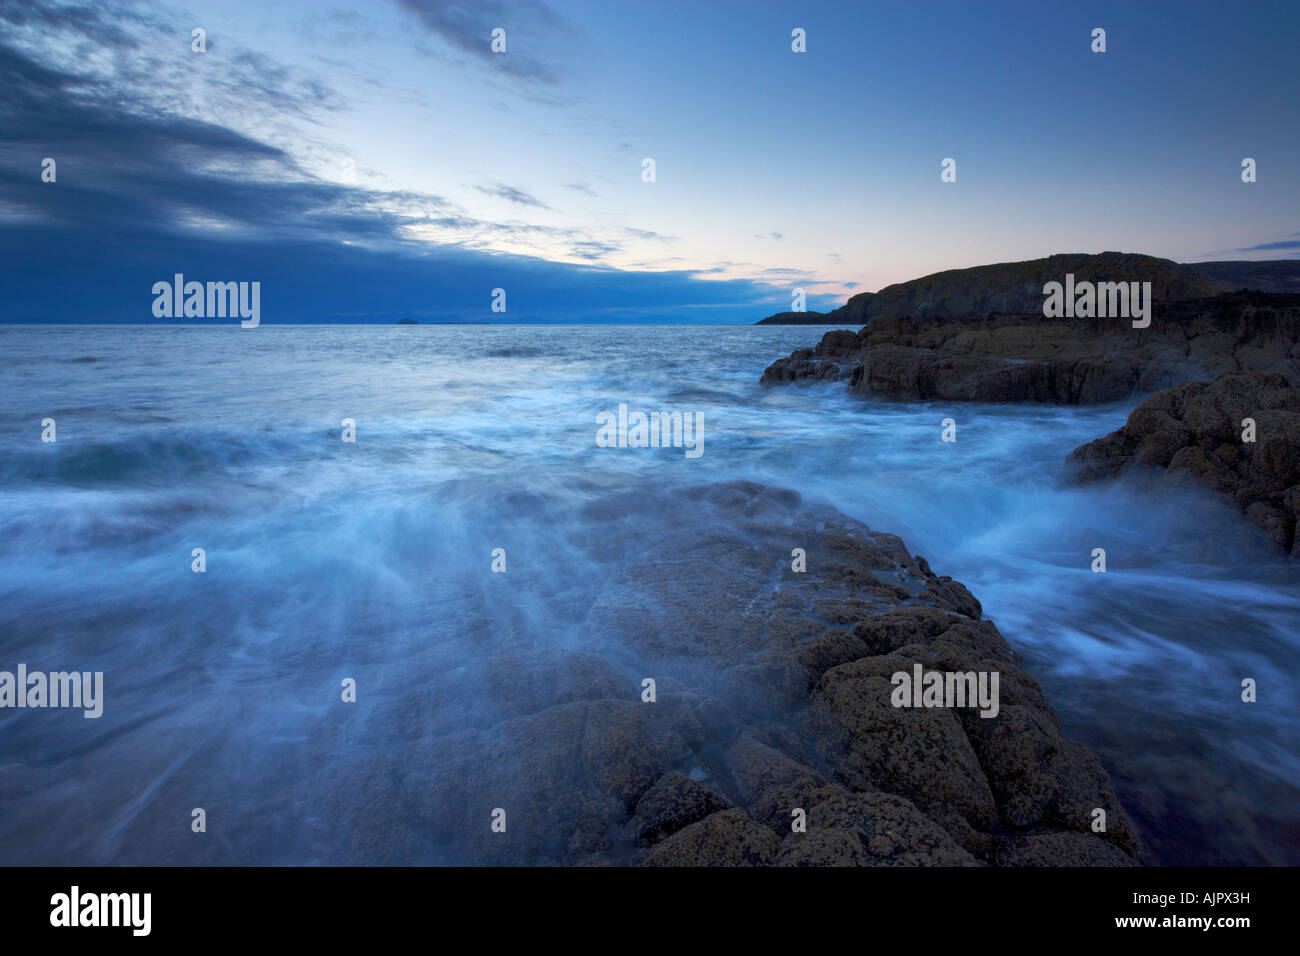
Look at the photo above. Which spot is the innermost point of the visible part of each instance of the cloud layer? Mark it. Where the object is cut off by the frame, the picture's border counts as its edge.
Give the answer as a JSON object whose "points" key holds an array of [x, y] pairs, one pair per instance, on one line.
{"points": [[148, 185]]}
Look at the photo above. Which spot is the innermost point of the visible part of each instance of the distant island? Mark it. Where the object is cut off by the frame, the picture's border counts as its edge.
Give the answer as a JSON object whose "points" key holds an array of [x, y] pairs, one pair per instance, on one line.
{"points": [[796, 318], [407, 322]]}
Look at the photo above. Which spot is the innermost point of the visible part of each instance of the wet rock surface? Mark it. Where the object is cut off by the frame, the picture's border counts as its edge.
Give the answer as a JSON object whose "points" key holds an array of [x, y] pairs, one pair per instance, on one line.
{"points": [[1196, 431], [1027, 357], [772, 695]]}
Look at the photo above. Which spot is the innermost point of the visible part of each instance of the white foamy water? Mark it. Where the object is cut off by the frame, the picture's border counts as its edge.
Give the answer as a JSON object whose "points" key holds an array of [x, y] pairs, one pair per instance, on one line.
{"points": [[327, 559]]}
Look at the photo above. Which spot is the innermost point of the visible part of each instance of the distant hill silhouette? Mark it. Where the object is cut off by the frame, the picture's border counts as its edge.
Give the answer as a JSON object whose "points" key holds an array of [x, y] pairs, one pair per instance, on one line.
{"points": [[1279, 275], [797, 318], [1017, 287]]}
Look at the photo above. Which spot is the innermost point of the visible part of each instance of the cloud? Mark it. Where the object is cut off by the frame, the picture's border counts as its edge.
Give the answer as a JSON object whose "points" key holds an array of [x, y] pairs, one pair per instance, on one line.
{"points": [[122, 165], [582, 188], [502, 191], [800, 274], [530, 26], [593, 250], [1285, 244], [648, 235], [148, 186]]}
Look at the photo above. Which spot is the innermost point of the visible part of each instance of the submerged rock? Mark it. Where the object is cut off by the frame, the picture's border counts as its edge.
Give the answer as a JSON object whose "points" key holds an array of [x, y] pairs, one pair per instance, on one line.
{"points": [[770, 703], [674, 802]]}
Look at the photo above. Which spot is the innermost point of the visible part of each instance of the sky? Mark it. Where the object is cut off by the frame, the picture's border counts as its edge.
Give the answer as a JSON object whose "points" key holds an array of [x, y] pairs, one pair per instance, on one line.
{"points": [[365, 161]]}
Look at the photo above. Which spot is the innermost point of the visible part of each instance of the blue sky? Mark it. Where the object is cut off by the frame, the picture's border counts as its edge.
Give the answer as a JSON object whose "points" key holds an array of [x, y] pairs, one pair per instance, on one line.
{"points": [[522, 170]]}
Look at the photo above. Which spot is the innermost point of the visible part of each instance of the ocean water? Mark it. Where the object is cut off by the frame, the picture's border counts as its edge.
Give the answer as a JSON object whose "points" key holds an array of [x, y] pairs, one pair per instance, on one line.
{"points": [[326, 559]]}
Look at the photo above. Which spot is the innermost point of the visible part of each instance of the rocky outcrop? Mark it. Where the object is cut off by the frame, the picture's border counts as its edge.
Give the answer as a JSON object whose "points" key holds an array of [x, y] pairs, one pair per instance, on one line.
{"points": [[1001, 358], [1017, 287], [771, 705], [1199, 430], [832, 359]]}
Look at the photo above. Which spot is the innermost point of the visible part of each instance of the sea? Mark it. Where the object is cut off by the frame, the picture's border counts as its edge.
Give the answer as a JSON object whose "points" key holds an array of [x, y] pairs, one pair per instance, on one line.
{"points": [[184, 446]]}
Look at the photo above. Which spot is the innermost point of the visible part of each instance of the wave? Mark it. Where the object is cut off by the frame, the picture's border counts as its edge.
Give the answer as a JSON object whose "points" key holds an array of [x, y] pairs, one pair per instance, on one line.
{"points": [[154, 457]]}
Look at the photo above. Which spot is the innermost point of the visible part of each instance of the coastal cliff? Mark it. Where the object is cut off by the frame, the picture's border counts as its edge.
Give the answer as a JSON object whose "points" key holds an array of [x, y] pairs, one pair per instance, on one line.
{"points": [[1015, 287]]}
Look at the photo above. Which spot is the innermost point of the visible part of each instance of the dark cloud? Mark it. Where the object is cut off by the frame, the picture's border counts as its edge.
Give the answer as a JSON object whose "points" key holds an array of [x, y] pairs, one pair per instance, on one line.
{"points": [[648, 235], [1263, 247], [534, 33], [149, 185], [113, 24], [593, 250], [502, 191], [55, 274]]}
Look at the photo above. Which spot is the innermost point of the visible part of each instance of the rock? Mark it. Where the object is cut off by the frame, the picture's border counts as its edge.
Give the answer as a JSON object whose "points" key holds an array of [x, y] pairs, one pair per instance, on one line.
{"points": [[1195, 430], [1017, 287], [802, 366], [1006, 357], [923, 754], [726, 838], [769, 783], [1059, 849], [869, 829], [772, 693], [625, 750], [837, 344], [674, 802]]}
